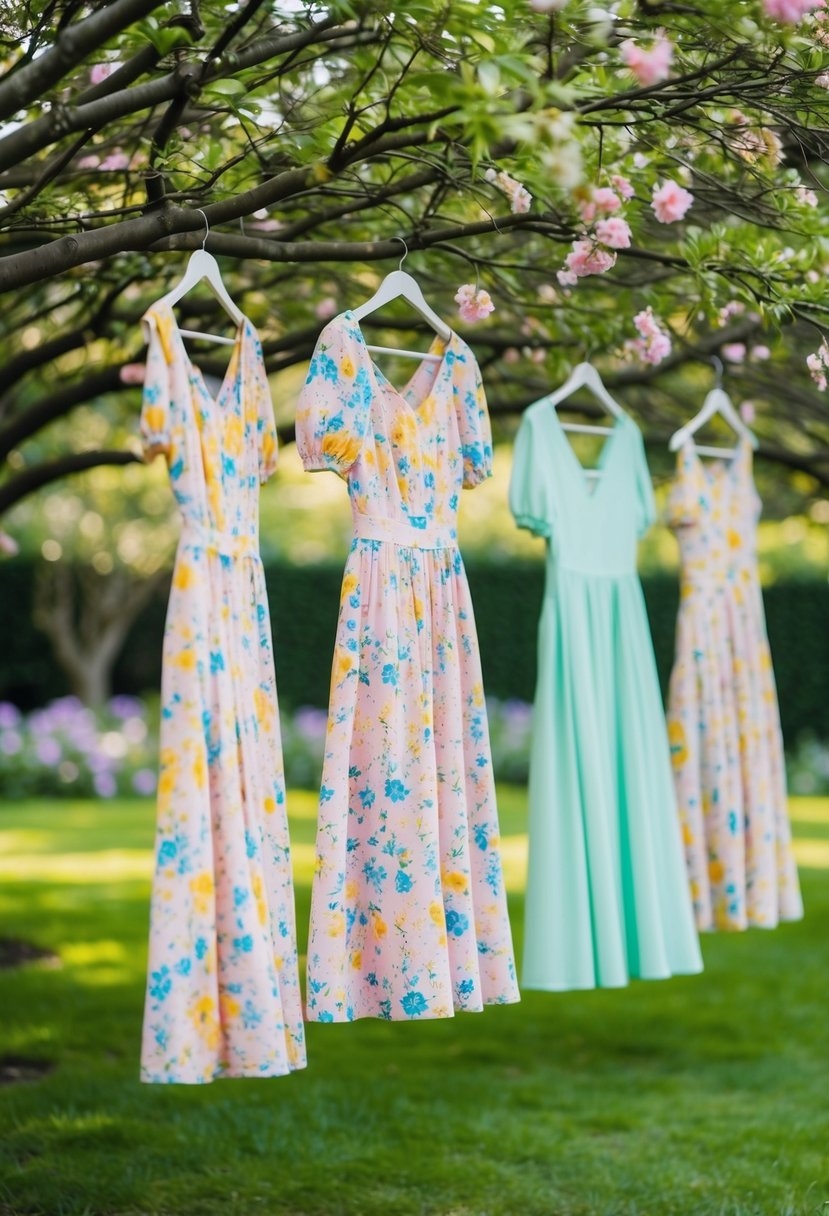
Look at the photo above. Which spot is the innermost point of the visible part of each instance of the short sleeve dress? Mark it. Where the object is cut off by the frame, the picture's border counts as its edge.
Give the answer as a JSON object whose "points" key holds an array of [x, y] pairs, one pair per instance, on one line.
{"points": [[409, 913], [607, 893], [223, 994], [723, 719]]}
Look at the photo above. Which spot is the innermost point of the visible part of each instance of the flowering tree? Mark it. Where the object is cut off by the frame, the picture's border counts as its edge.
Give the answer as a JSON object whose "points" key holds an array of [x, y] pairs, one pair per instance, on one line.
{"points": [[641, 182]]}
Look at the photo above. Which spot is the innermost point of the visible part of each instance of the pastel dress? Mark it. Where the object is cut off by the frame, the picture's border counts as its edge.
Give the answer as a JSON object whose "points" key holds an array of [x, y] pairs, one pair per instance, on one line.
{"points": [[723, 717], [408, 913], [223, 995], [607, 894]]}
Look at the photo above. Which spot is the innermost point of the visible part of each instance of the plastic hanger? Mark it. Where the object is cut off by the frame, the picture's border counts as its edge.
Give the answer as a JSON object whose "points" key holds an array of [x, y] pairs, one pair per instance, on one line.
{"points": [[395, 285], [203, 266], [584, 375], [717, 402]]}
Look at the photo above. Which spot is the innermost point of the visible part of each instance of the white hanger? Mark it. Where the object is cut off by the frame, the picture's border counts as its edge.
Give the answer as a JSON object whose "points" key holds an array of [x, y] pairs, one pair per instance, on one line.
{"points": [[584, 375], [203, 265], [396, 284], [717, 402]]}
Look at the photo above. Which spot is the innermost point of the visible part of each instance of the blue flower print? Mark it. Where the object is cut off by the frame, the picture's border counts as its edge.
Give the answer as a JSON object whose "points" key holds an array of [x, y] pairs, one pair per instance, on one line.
{"points": [[167, 852], [375, 875], [160, 984], [201, 948], [366, 797], [325, 1016], [326, 794], [402, 882], [414, 1003], [245, 943], [465, 987], [456, 923], [390, 674], [396, 790]]}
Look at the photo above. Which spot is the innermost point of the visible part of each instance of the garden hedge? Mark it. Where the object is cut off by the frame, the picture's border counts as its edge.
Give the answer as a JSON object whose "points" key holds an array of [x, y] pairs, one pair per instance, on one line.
{"points": [[507, 599]]}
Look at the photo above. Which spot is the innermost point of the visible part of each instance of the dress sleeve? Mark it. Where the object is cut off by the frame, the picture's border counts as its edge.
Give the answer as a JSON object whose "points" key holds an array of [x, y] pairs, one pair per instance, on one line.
{"points": [[473, 422], [682, 508], [155, 409], [645, 501], [334, 406], [529, 492], [267, 443]]}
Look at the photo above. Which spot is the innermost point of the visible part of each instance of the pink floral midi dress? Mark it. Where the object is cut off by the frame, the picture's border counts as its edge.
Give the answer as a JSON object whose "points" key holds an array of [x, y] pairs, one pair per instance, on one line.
{"points": [[409, 913], [723, 720], [223, 995]]}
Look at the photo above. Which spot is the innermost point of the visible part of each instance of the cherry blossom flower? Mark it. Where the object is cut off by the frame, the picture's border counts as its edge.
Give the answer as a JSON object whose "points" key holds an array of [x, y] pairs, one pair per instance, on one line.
{"points": [[518, 195], [8, 545], [805, 196], [587, 258], [132, 373], [567, 278], [326, 308], [670, 202], [614, 232], [100, 71], [747, 412], [760, 353], [512, 354], [473, 305], [818, 365], [654, 343], [116, 160], [788, 11], [622, 186], [650, 65], [89, 162], [734, 352], [602, 201]]}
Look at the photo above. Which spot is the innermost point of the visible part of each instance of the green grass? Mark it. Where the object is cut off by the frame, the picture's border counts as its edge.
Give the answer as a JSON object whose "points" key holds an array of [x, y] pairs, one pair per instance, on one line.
{"points": [[700, 1095]]}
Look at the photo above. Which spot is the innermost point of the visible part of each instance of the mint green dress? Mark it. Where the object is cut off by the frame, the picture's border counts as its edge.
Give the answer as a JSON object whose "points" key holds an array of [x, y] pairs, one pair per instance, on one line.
{"points": [[607, 890]]}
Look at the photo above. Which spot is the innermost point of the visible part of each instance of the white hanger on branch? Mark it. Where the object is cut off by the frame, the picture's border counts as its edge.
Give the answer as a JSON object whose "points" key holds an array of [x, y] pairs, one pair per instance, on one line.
{"points": [[204, 267], [717, 402], [401, 285]]}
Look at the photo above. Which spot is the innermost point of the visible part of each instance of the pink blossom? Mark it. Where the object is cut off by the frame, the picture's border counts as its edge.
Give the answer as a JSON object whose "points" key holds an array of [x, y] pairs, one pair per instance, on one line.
{"points": [[818, 365], [646, 323], [654, 344], [567, 278], [614, 232], [115, 160], [473, 305], [622, 186], [512, 354], [734, 352], [649, 65], [670, 202], [132, 373], [602, 201], [518, 195], [8, 545], [100, 71], [89, 162], [587, 258], [789, 11], [326, 308], [760, 353], [807, 197], [747, 412]]}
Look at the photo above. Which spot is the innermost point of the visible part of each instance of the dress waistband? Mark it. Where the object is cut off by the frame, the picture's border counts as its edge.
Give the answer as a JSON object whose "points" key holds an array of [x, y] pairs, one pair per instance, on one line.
{"points": [[196, 535], [396, 532]]}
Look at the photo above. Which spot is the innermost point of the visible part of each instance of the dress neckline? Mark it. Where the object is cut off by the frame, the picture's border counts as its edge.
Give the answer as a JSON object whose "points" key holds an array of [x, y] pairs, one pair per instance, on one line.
{"points": [[232, 370], [382, 381], [720, 472], [601, 461]]}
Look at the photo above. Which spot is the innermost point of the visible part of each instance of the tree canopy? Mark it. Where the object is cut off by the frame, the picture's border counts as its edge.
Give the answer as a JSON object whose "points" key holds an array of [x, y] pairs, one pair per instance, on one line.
{"points": [[642, 183]]}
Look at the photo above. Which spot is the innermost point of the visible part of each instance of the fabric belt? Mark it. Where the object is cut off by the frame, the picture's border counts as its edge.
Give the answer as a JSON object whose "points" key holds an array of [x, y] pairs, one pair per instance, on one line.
{"points": [[396, 532], [195, 535]]}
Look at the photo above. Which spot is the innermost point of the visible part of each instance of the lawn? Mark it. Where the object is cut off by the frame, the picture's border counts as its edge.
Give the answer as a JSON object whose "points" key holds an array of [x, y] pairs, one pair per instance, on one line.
{"points": [[700, 1095]]}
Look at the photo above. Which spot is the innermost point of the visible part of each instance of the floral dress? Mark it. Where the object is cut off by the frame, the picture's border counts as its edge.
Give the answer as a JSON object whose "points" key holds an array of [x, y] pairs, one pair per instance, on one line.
{"points": [[723, 719], [223, 993], [409, 914]]}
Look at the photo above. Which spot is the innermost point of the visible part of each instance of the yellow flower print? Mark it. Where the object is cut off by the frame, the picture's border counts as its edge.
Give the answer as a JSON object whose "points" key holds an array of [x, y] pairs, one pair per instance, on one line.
{"points": [[349, 585], [154, 419], [168, 776], [185, 659], [268, 449], [477, 694], [269, 805], [202, 888], [184, 577], [455, 881], [233, 435], [357, 960], [343, 665], [264, 708], [716, 871], [677, 743], [379, 926], [200, 768], [352, 889], [203, 1017], [437, 914], [346, 366], [258, 888], [229, 1006], [336, 924], [734, 539], [341, 448]]}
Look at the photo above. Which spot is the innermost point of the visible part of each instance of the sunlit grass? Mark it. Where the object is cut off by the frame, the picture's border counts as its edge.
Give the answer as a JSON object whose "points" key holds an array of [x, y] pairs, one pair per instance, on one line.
{"points": [[697, 1095]]}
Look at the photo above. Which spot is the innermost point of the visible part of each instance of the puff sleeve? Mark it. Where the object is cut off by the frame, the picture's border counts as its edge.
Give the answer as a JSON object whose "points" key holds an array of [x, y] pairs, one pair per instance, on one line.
{"points": [[645, 501], [530, 498], [155, 424], [473, 420], [266, 438], [335, 403]]}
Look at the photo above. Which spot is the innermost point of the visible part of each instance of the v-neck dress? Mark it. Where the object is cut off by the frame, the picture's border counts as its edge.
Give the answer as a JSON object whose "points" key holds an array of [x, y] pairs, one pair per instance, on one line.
{"points": [[408, 912], [607, 893], [223, 995], [723, 718]]}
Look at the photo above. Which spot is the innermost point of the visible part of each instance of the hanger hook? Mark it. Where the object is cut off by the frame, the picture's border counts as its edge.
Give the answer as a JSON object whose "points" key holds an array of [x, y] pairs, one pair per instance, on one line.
{"points": [[405, 251], [206, 227], [719, 369]]}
